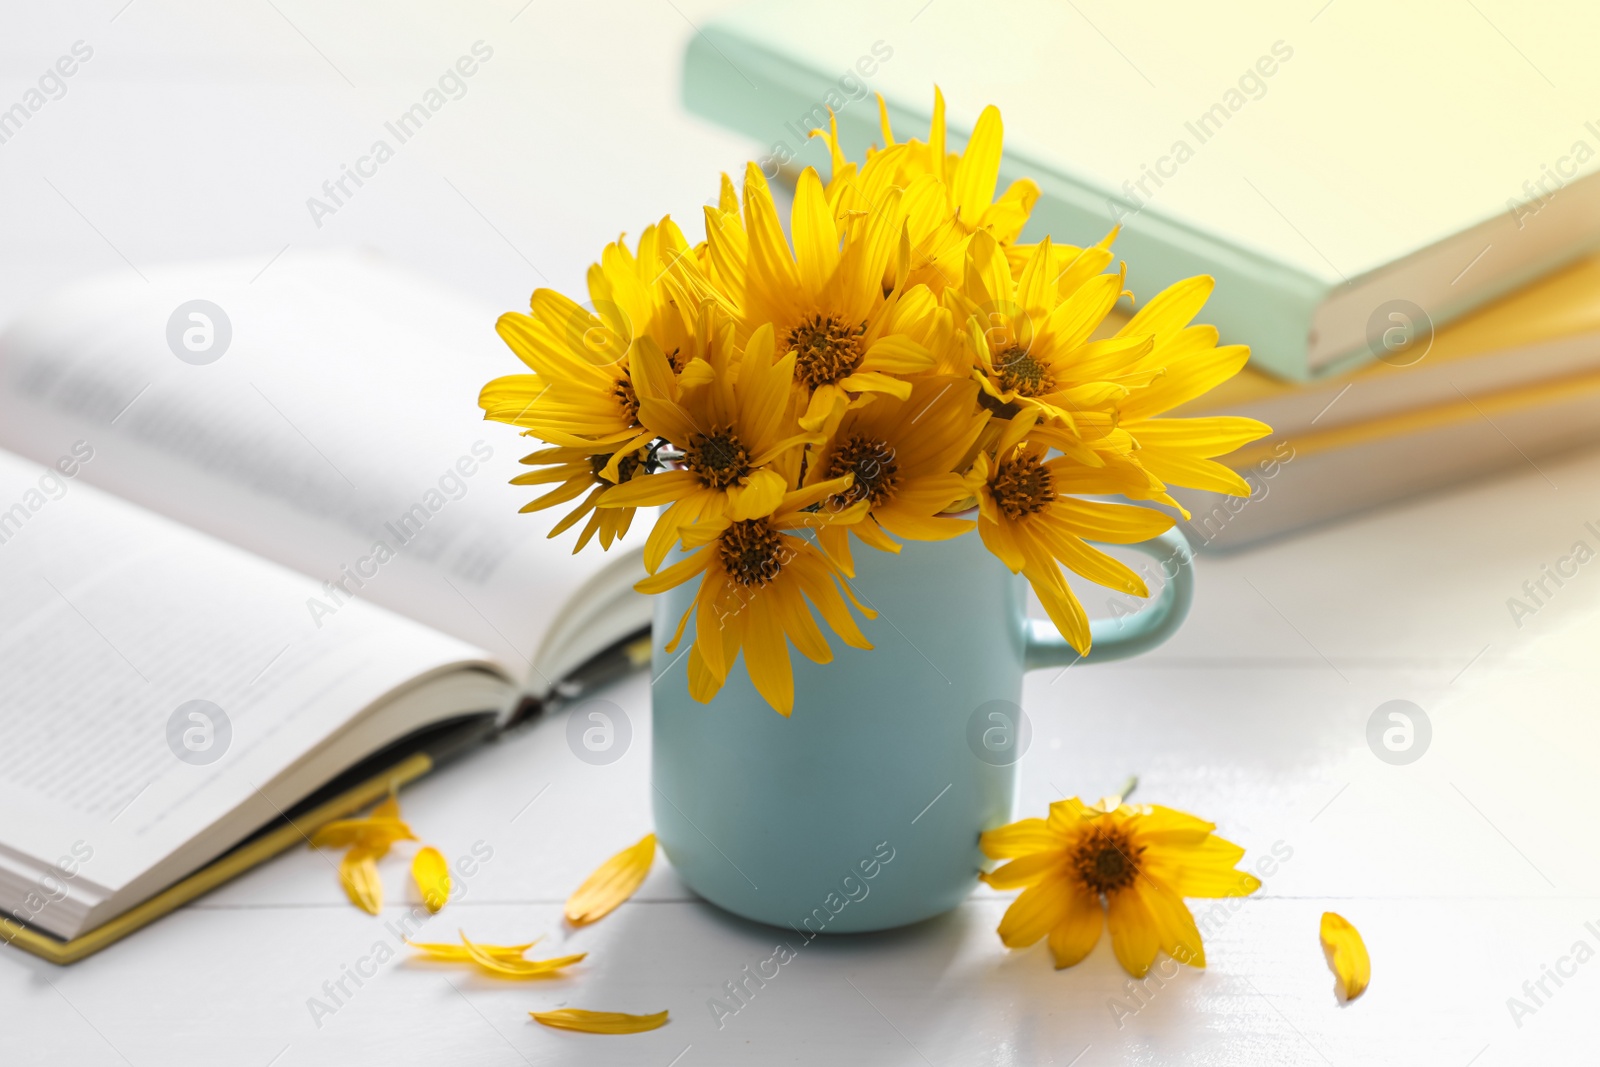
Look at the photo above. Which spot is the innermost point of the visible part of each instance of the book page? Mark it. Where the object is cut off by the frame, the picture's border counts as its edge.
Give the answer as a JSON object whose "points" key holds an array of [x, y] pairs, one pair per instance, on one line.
{"points": [[322, 414], [156, 679]]}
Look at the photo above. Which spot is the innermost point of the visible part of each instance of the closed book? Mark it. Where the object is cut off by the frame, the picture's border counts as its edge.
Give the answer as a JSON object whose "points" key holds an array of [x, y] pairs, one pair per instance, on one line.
{"points": [[1332, 168]]}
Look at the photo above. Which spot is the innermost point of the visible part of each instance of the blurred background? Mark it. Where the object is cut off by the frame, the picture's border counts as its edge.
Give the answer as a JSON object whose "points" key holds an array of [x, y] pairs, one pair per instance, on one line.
{"points": [[200, 130]]}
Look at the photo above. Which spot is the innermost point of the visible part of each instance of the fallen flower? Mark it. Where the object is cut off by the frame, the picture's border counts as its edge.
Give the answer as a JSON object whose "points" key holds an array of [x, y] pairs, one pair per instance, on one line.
{"points": [[432, 875], [612, 883], [1142, 860], [599, 1022], [1347, 954]]}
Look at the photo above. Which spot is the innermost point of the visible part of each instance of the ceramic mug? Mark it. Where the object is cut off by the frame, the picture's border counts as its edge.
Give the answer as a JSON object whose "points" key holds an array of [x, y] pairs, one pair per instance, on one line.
{"points": [[862, 810]]}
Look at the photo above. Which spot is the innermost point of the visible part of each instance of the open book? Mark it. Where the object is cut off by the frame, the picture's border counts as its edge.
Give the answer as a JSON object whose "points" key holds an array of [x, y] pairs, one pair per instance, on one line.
{"points": [[255, 538]]}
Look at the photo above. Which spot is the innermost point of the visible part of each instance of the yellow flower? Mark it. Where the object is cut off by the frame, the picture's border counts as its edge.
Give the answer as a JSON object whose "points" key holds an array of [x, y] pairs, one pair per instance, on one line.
{"points": [[755, 579], [613, 882], [734, 428], [580, 469], [581, 390], [1140, 860], [825, 298], [1347, 954], [1027, 518], [1033, 344], [907, 457], [949, 196], [599, 1022]]}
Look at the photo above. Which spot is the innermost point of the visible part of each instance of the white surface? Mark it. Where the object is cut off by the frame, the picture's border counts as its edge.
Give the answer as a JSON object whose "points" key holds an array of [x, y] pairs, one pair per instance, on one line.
{"points": [[200, 130]]}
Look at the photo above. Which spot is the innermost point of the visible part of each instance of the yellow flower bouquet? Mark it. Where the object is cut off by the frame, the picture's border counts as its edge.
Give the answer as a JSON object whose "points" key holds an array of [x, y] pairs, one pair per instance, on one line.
{"points": [[899, 368]]}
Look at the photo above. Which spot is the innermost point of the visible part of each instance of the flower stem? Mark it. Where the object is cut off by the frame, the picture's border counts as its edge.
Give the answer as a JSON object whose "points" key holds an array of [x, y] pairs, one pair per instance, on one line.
{"points": [[1129, 786]]}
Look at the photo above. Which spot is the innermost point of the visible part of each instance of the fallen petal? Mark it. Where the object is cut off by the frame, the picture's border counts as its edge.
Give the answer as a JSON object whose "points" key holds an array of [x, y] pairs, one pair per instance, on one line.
{"points": [[345, 833], [432, 875], [612, 883], [1347, 954], [358, 873], [599, 1022], [451, 952], [517, 968]]}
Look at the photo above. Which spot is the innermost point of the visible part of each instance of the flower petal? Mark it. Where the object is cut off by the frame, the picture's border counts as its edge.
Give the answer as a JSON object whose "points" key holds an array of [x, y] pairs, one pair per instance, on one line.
{"points": [[516, 968], [432, 875], [374, 832], [1347, 954], [1075, 936], [1134, 933], [613, 882], [358, 873], [599, 1022], [1036, 911], [450, 952]]}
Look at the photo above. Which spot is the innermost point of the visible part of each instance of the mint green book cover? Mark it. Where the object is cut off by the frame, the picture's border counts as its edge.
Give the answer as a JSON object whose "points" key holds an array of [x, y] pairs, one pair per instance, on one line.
{"points": [[1339, 182]]}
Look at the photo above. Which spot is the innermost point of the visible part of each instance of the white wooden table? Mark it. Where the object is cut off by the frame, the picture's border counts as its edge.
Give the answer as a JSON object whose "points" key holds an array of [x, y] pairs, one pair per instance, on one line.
{"points": [[201, 129]]}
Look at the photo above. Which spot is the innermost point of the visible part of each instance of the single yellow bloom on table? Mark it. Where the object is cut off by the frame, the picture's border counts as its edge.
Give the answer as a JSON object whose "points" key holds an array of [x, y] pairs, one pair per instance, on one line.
{"points": [[1127, 866], [613, 882], [1347, 954], [432, 875], [599, 1022]]}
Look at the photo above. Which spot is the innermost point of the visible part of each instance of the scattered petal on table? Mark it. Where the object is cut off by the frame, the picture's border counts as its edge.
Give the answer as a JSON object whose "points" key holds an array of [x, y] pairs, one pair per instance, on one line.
{"points": [[1347, 954], [599, 1022], [345, 833], [432, 875], [358, 873], [518, 968], [612, 883], [455, 953]]}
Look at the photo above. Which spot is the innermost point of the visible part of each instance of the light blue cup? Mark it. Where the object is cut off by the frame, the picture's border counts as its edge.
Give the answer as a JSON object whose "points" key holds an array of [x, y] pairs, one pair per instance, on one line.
{"points": [[862, 811]]}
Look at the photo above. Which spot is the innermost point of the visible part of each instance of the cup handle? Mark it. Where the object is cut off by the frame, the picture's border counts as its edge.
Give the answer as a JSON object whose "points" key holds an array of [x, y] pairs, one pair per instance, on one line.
{"points": [[1127, 635]]}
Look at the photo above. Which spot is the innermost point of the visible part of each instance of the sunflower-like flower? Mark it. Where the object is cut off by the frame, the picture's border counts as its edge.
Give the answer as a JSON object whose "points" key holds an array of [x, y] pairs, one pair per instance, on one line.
{"points": [[1028, 517], [1112, 864], [733, 421], [908, 458], [824, 298], [949, 196], [581, 392], [579, 470], [1032, 346], [755, 579]]}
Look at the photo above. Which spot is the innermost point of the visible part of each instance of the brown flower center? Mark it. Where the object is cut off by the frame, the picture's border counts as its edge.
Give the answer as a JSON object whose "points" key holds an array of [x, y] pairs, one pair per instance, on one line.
{"points": [[752, 552], [872, 462], [826, 350], [627, 399], [1021, 373], [1022, 485], [1106, 860], [719, 458]]}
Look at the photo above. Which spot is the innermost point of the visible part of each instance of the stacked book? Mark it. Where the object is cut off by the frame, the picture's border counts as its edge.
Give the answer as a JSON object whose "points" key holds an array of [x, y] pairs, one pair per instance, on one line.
{"points": [[1403, 238]]}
